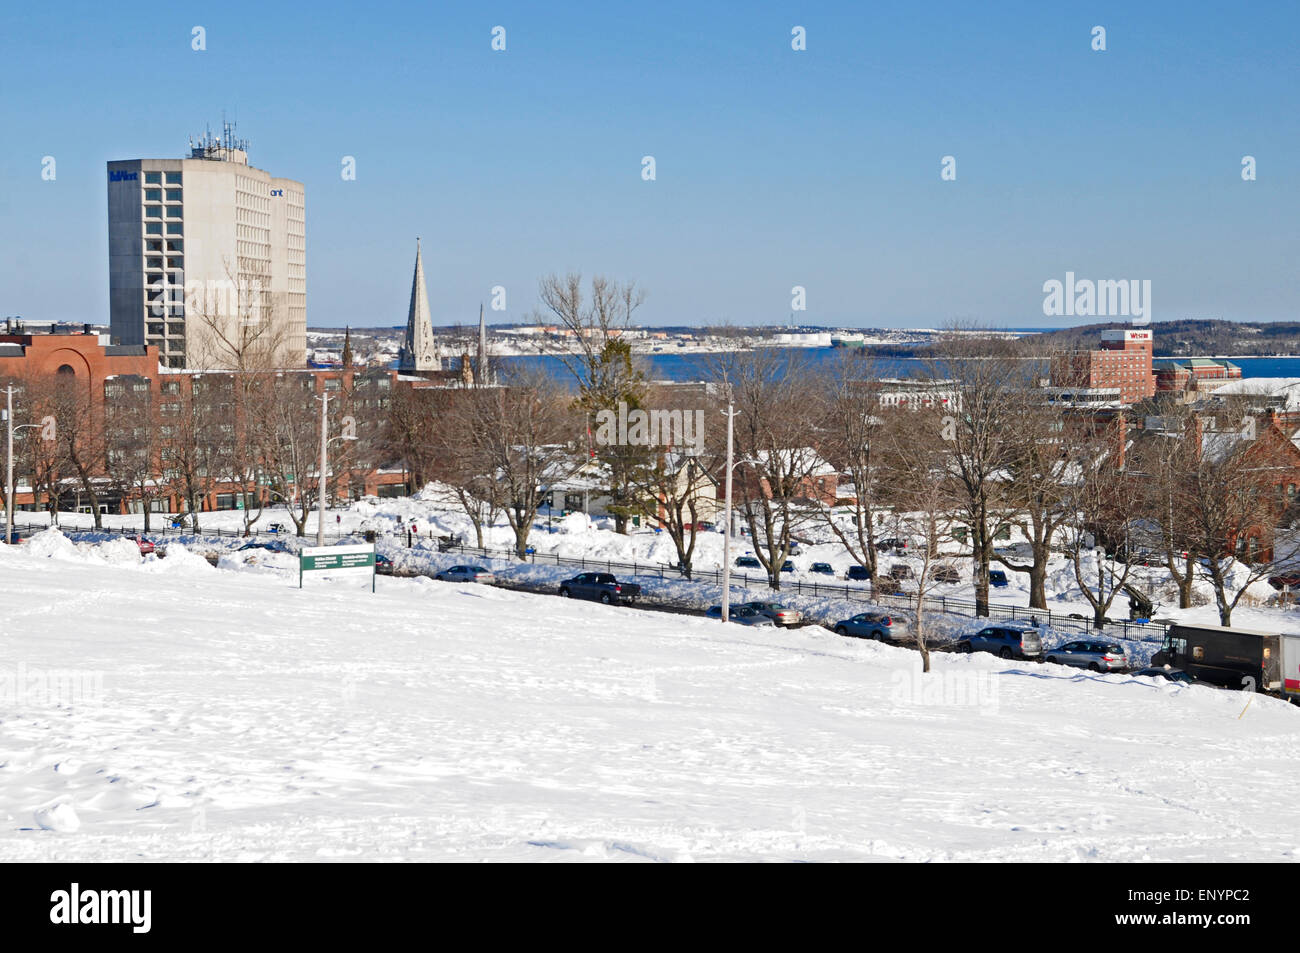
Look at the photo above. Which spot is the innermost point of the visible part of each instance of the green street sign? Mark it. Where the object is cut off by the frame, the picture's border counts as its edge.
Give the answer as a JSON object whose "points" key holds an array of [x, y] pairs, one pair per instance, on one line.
{"points": [[337, 560]]}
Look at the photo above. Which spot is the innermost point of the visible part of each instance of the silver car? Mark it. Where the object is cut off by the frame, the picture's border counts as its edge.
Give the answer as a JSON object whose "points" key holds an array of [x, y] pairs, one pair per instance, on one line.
{"points": [[466, 574], [741, 615], [1094, 656], [1004, 639], [777, 612]]}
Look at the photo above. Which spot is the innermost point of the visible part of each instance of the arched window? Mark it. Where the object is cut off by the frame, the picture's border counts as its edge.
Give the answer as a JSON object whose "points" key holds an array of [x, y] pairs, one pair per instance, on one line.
{"points": [[65, 370]]}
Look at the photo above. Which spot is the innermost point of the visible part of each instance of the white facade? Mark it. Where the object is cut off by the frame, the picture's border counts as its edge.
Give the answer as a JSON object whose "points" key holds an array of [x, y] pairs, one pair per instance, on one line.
{"points": [[205, 251]]}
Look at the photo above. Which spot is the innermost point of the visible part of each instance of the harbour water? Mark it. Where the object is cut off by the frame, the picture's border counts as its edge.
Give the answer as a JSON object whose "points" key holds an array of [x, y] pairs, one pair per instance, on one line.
{"points": [[696, 366]]}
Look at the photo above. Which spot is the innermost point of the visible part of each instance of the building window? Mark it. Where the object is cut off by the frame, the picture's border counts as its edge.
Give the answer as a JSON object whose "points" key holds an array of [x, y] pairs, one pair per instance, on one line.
{"points": [[175, 262], [153, 195], [153, 228], [175, 246], [173, 211], [153, 178], [174, 228], [153, 246], [173, 178], [152, 211], [173, 195]]}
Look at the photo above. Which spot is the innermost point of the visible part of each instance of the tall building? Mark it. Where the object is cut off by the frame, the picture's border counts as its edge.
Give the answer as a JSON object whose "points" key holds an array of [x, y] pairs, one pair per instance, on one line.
{"points": [[1122, 363], [208, 258], [419, 351]]}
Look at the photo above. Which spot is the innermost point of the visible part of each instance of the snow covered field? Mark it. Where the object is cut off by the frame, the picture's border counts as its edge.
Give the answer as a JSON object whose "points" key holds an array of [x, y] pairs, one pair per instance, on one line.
{"points": [[167, 710]]}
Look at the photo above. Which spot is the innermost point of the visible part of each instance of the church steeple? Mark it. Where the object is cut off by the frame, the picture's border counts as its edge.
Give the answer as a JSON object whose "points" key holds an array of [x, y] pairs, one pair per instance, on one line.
{"points": [[347, 348], [420, 351]]}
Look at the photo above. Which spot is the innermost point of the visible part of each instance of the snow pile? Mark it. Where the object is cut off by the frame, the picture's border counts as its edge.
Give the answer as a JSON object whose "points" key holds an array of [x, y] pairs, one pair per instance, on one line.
{"points": [[118, 550], [52, 544], [179, 559]]}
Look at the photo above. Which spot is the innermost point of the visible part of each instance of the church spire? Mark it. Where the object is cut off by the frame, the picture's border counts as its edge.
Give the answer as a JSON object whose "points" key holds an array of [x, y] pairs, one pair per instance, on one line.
{"points": [[347, 347], [419, 352]]}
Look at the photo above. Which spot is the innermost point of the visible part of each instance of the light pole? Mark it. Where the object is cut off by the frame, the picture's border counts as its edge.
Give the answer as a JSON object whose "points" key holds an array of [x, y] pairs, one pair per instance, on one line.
{"points": [[9, 474], [324, 445], [726, 540], [324, 464]]}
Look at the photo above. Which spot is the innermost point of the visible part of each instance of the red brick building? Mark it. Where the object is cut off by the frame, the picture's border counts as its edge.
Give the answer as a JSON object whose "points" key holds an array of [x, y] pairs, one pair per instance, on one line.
{"points": [[1122, 362], [124, 387]]}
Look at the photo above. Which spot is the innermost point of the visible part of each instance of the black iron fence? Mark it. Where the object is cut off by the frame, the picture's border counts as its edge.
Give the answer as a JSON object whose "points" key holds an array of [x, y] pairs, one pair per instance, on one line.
{"points": [[1137, 631]]}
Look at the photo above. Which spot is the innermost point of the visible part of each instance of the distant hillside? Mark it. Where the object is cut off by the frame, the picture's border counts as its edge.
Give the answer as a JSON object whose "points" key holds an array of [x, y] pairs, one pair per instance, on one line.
{"points": [[1172, 339], [1189, 338]]}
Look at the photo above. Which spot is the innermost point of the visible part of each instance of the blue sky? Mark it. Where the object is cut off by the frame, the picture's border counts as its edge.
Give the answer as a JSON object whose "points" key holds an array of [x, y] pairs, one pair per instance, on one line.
{"points": [[775, 168]]}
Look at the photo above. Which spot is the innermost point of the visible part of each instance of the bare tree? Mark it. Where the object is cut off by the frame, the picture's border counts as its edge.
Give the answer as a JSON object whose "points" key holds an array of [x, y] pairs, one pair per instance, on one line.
{"points": [[592, 345], [974, 385], [131, 441], [918, 471], [853, 420], [522, 431], [780, 478]]}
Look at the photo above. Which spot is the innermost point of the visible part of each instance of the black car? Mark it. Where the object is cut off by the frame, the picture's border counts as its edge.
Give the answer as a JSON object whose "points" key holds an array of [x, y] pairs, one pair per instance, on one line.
{"points": [[1171, 674], [998, 578], [822, 569], [858, 574], [945, 574]]}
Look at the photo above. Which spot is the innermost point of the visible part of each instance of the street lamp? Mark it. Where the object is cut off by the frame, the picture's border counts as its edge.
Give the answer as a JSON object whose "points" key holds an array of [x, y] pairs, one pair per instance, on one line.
{"points": [[9, 478], [726, 540], [324, 463]]}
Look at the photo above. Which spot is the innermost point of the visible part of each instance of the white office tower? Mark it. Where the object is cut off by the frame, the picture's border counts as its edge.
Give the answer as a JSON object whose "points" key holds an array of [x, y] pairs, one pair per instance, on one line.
{"points": [[208, 258]]}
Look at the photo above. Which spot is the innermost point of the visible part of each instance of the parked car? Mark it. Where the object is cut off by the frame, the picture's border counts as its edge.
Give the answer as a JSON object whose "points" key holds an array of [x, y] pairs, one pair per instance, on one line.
{"points": [[945, 574], [742, 615], [600, 586], [787, 566], [1094, 656], [901, 571], [822, 569], [275, 546], [892, 544], [874, 624], [1006, 639], [748, 562], [778, 613], [1169, 674], [383, 565], [466, 574], [998, 578], [858, 574], [145, 546]]}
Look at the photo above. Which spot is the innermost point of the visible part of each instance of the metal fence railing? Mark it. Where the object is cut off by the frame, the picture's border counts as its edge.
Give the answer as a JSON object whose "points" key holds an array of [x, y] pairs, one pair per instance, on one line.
{"points": [[1137, 631]]}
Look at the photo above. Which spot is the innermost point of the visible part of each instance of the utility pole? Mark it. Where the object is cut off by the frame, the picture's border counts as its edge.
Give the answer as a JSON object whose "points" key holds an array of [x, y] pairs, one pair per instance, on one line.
{"points": [[726, 540], [324, 444], [9, 477], [9, 472]]}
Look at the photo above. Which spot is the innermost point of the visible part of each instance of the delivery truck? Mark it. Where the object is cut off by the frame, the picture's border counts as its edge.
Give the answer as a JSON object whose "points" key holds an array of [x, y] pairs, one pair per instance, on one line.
{"points": [[1234, 658]]}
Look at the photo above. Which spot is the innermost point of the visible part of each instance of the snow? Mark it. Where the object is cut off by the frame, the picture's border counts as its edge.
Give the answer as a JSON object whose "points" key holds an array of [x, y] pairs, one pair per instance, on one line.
{"points": [[224, 714]]}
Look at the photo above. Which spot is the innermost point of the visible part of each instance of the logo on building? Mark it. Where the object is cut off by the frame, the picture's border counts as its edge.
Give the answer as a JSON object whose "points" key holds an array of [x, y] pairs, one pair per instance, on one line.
{"points": [[117, 175]]}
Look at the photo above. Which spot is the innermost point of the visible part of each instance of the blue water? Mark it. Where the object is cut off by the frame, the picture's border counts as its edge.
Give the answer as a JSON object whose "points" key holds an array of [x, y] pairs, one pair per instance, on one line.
{"points": [[694, 367]]}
